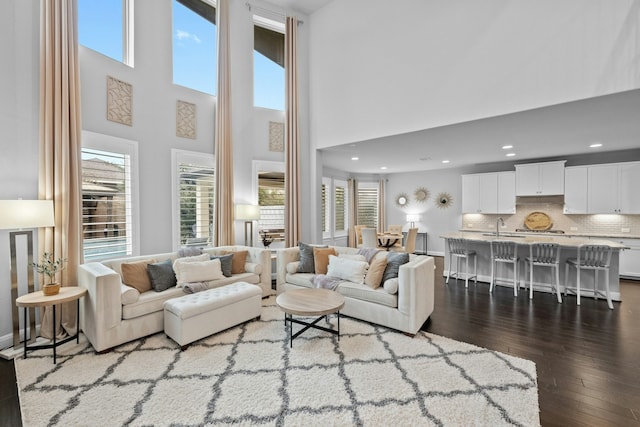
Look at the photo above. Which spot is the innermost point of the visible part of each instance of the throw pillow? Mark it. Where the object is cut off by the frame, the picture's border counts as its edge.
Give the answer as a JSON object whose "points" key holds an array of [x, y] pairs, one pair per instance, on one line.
{"points": [[162, 275], [307, 264], [321, 259], [391, 286], [354, 257], [226, 262], [394, 261], [347, 269], [373, 279], [135, 274], [198, 271], [239, 259]]}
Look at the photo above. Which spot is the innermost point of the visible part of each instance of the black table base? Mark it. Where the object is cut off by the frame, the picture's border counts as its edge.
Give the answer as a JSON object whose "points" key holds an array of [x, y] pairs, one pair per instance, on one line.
{"points": [[288, 318]]}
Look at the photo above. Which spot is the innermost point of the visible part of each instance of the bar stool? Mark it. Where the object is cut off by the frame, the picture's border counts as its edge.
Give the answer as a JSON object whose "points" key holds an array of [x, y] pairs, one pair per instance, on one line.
{"points": [[543, 255], [504, 252], [591, 257], [459, 248]]}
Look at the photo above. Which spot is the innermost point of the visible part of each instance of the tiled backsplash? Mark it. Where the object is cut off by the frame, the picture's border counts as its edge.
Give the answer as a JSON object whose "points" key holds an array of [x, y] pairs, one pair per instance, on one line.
{"points": [[587, 224]]}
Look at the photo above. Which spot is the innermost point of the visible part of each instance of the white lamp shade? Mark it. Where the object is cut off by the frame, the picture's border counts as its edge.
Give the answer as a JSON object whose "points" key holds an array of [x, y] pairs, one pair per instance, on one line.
{"points": [[26, 214], [413, 218], [247, 212]]}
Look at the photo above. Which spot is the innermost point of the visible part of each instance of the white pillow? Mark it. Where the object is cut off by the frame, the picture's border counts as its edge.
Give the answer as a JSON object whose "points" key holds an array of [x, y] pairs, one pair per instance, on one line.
{"points": [[198, 271], [391, 285], [292, 267], [355, 257], [347, 269], [128, 295]]}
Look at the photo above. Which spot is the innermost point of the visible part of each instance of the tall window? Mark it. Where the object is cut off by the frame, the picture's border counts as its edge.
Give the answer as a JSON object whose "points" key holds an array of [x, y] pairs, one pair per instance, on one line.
{"points": [[268, 63], [368, 204], [271, 198], [106, 26], [107, 197], [194, 198], [334, 208], [194, 45]]}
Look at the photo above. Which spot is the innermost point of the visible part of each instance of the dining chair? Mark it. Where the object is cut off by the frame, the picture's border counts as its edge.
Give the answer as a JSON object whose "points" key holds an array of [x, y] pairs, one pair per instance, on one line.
{"points": [[459, 249], [409, 244], [396, 229], [591, 257], [358, 232], [504, 252], [543, 255], [369, 238]]}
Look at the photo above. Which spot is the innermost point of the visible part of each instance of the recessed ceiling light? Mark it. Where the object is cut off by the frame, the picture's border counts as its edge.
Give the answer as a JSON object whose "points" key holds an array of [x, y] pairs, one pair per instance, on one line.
{"points": [[596, 145], [506, 147], [511, 154], [445, 161], [383, 168], [355, 158]]}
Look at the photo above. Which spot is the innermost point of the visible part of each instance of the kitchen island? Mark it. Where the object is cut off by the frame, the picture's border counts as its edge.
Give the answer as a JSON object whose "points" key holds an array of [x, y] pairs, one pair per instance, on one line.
{"points": [[480, 242]]}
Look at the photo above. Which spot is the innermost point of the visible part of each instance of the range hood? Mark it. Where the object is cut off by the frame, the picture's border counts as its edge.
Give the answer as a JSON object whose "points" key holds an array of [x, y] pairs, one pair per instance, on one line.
{"points": [[538, 200]]}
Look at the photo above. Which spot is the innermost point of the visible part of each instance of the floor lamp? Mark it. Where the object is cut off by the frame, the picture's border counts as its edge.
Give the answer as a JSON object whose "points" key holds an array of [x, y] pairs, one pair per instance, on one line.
{"points": [[248, 214], [18, 215]]}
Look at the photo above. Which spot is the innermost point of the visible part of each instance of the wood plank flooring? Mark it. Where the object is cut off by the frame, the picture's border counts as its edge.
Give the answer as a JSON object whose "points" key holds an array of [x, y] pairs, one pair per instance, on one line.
{"points": [[587, 357]]}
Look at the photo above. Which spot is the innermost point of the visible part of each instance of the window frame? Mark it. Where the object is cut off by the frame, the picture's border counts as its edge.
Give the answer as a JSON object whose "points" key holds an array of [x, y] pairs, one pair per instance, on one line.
{"points": [[128, 35], [273, 24], [113, 144], [330, 184], [368, 186]]}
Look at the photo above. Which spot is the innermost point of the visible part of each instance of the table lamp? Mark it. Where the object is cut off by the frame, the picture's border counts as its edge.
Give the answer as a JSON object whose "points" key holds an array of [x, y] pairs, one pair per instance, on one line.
{"points": [[18, 215], [413, 218], [248, 214]]}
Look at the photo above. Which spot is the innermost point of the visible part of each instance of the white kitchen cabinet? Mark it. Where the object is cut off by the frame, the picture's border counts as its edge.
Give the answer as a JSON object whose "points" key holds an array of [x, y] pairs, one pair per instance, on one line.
{"points": [[575, 190], [612, 188], [540, 179], [488, 193], [630, 259]]}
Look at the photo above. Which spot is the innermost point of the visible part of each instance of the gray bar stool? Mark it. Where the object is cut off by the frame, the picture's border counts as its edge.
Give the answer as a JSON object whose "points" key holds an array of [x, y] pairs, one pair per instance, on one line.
{"points": [[459, 248], [591, 257], [543, 255], [504, 252]]}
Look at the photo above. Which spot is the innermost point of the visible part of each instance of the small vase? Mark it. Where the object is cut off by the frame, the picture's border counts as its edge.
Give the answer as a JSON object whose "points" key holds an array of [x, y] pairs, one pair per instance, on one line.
{"points": [[51, 289]]}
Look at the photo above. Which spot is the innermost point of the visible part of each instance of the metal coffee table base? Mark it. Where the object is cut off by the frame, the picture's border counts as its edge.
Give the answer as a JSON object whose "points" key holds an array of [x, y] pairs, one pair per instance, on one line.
{"points": [[288, 318]]}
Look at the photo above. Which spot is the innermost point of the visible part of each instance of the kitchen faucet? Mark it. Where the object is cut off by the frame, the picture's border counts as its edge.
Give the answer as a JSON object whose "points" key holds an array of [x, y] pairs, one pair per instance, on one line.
{"points": [[499, 222]]}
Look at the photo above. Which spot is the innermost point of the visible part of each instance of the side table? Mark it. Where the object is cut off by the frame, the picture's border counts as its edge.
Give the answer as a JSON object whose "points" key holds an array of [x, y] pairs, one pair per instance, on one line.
{"points": [[38, 299]]}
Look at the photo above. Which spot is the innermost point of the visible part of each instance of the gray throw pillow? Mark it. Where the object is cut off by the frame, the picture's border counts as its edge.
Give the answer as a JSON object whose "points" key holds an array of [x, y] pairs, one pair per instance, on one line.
{"points": [[307, 264], [226, 262], [394, 261], [162, 275]]}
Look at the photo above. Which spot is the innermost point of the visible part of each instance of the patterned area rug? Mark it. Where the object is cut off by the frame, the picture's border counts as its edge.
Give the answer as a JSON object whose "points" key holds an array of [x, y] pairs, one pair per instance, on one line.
{"points": [[248, 375]]}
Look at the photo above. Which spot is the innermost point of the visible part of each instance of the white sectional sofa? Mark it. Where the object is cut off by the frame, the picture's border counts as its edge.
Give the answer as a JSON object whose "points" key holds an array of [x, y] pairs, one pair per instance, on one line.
{"points": [[405, 310], [112, 313]]}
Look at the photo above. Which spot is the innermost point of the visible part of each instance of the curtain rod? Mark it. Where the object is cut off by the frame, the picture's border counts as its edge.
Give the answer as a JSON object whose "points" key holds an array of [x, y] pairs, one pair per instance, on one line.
{"points": [[270, 12]]}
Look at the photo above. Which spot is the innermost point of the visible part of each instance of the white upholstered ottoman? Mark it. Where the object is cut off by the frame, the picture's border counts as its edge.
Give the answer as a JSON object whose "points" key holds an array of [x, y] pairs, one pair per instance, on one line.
{"points": [[195, 316]]}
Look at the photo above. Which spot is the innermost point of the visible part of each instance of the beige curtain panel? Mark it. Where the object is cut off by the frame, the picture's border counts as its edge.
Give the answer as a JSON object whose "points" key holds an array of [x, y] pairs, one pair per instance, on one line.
{"points": [[224, 230], [382, 213], [292, 136], [352, 185], [60, 173]]}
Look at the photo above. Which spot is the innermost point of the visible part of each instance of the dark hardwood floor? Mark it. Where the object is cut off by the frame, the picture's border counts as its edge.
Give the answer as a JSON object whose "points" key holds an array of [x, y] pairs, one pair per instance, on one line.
{"points": [[587, 357]]}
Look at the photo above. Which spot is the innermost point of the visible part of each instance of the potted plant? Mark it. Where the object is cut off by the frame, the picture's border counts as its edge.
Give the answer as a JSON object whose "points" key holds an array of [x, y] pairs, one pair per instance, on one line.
{"points": [[49, 267]]}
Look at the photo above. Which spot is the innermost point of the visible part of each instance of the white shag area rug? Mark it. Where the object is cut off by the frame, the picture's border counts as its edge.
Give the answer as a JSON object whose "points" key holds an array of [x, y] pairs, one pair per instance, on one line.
{"points": [[248, 375]]}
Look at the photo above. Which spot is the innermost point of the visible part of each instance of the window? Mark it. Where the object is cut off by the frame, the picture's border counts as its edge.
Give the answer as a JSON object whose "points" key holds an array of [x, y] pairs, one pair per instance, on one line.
{"points": [[271, 199], [194, 198], [106, 26], [368, 204], [334, 208], [194, 45], [107, 197], [268, 63]]}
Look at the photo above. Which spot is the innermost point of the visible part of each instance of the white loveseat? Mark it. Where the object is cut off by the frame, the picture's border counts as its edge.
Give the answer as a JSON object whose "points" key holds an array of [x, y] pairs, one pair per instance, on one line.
{"points": [[405, 310], [112, 313]]}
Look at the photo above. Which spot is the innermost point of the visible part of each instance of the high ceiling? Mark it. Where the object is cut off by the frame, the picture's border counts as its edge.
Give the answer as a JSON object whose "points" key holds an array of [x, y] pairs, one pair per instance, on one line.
{"points": [[302, 6]]}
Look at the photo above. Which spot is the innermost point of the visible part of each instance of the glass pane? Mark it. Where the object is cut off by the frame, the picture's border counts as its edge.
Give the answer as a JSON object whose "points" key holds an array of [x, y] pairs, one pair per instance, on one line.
{"points": [[268, 68], [196, 193], [100, 26]]}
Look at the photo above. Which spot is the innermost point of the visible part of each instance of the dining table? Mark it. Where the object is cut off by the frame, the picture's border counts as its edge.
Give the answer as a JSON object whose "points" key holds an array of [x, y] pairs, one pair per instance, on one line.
{"points": [[388, 240]]}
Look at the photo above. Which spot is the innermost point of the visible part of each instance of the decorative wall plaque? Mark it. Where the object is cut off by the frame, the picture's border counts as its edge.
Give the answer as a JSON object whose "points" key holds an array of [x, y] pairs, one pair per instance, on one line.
{"points": [[421, 194], [119, 101], [185, 119], [444, 200], [276, 136]]}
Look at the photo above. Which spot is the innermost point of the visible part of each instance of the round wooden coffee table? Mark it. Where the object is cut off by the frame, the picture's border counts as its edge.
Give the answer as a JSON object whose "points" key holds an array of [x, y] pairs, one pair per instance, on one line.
{"points": [[309, 302]]}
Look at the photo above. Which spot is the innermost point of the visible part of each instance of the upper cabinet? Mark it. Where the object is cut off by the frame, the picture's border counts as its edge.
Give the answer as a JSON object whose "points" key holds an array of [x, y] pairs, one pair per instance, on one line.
{"points": [[610, 188], [540, 179], [575, 190], [488, 193]]}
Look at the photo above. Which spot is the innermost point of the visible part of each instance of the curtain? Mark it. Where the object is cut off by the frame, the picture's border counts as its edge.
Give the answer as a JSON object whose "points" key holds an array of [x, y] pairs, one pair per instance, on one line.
{"points": [[382, 213], [352, 185], [224, 231], [292, 136], [60, 168]]}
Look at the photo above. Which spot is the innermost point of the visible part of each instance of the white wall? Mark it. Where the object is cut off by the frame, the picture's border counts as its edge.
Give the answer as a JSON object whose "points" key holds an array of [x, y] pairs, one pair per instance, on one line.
{"points": [[381, 69]]}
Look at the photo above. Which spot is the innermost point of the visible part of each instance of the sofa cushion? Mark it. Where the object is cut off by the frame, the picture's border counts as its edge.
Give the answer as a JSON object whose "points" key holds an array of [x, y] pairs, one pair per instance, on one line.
{"points": [[226, 263], [301, 279], [250, 267], [394, 261], [347, 269], [354, 257], [198, 271], [377, 266], [150, 302], [292, 267], [365, 293], [307, 264], [135, 274], [321, 259], [128, 295], [162, 275]]}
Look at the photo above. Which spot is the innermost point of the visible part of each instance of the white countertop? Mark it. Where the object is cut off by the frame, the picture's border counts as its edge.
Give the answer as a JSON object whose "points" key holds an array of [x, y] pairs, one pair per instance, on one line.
{"points": [[566, 233], [528, 238]]}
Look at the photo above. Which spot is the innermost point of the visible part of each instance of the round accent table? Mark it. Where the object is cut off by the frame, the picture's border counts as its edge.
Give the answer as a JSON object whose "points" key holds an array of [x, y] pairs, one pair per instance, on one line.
{"points": [[309, 302], [38, 299]]}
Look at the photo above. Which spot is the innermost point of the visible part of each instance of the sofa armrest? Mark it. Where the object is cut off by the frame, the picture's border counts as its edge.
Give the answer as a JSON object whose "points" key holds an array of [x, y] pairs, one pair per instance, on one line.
{"points": [[255, 256], [284, 257], [102, 307], [416, 288]]}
